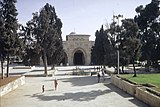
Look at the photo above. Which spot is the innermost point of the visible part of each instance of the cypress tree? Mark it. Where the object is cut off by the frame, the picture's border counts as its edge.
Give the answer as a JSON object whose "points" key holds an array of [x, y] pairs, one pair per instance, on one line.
{"points": [[9, 35]]}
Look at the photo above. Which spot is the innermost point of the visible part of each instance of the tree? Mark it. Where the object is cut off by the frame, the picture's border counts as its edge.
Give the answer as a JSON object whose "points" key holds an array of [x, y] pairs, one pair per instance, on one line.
{"points": [[110, 51], [31, 50], [130, 43], [9, 35], [148, 19], [113, 32], [98, 49], [46, 30], [2, 41]]}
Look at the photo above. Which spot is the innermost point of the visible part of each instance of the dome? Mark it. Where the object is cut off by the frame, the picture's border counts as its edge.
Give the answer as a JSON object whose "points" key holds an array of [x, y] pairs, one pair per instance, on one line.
{"points": [[72, 33]]}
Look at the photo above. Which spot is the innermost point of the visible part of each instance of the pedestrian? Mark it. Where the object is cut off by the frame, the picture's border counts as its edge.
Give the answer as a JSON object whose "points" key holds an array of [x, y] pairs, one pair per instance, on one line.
{"points": [[99, 76], [42, 88], [55, 84]]}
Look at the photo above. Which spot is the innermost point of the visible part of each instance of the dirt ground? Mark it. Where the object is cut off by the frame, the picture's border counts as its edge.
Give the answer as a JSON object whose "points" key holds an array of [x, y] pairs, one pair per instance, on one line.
{"points": [[8, 80]]}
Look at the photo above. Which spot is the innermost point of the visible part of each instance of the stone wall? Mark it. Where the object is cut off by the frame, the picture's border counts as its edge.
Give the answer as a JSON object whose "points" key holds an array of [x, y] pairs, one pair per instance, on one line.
{"points": [[124, 85], [138, 91], [147, 97], [12, 85]]}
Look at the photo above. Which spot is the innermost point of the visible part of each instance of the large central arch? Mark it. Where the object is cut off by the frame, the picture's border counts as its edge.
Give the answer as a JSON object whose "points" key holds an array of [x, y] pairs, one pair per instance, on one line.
{"points": [[79, 58]]}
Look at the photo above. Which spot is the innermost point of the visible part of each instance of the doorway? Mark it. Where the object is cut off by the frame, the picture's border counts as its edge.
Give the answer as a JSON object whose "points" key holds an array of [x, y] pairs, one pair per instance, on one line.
{"points": [[79, 58]]}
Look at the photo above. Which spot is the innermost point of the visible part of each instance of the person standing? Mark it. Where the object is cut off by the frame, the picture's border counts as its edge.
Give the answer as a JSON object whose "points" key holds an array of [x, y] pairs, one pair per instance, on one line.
{"points": [[42, 88], [99, 76]]}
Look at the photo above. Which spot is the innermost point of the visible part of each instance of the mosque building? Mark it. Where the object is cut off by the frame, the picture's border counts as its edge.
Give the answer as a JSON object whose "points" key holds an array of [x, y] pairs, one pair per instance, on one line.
{"points": [[77, 49]]}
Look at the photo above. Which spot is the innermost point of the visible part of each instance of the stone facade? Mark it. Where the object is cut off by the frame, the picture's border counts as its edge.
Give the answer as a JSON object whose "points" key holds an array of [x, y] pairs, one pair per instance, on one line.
{"points": [[77, 49]]}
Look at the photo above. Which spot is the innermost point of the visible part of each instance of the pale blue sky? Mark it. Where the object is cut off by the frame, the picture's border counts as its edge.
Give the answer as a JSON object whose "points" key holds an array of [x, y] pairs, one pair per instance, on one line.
{"points": [[83, 16]]}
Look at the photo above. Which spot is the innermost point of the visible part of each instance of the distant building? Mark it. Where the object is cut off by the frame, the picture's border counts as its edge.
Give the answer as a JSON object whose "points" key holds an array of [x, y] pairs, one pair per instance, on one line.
{"points": [[77, 49]]}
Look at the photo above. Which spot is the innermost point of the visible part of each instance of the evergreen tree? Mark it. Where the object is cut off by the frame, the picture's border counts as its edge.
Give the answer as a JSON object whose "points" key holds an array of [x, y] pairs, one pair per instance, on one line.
{"points": [[46, 29], [149, 25], [124, 36], [113, 39], [130, 42], [98, 49], [9, 34], [31, 49], [2, 41], [110, 52]]}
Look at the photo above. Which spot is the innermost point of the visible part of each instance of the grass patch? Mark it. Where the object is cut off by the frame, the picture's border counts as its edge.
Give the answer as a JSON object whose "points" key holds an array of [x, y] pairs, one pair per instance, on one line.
{"points": [[144, 79]]}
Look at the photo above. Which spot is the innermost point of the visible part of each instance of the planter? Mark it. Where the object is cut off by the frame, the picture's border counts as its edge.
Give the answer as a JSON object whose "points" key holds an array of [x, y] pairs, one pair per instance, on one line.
{"points": [[126, 86], [129, 87], [145, 94], [147, 97], [12, 85], [116, 81]]}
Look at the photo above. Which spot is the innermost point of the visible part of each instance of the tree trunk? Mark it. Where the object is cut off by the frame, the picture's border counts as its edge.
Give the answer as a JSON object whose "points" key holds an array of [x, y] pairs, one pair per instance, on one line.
{"points": [[148, 65], [122, 69], [134, 70], [7, 64], [45, 62], [2, 75], [52, 67]]}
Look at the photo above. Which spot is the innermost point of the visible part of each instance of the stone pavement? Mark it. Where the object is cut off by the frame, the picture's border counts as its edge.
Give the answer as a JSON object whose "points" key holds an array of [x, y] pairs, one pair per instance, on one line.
{"points": [[78, 91]]}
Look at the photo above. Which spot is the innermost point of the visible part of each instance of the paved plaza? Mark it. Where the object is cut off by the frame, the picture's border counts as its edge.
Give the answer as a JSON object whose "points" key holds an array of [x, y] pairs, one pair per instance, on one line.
{"points": [[72, 91]]}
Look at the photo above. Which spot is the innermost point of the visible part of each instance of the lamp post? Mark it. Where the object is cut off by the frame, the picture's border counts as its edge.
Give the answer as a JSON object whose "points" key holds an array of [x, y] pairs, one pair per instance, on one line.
{"points": [[118, 58], [117, 17]]}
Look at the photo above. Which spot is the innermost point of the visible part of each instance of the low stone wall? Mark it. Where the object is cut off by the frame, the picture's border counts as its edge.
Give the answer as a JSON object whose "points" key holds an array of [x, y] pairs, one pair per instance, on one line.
{"points": [[147, 97], [115, 80], [138, 91], [12, 85], [124, 85], [22, 67]]}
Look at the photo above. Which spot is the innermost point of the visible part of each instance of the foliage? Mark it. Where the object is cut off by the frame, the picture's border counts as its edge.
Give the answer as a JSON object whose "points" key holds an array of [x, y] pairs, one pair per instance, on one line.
{"points": [[112, 40], [148, 19], [42, 35], [137, 39], [9, 26], [110, 58], [98, 51], [130, 44]]}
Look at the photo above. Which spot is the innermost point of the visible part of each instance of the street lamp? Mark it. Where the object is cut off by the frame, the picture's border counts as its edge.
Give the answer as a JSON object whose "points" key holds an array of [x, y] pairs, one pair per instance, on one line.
{"points": [[117, 17], [118, 57]]}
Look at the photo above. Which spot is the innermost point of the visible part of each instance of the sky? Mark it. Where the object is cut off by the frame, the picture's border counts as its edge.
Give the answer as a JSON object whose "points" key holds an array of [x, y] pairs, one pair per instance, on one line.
{"points": [[81, 16]]}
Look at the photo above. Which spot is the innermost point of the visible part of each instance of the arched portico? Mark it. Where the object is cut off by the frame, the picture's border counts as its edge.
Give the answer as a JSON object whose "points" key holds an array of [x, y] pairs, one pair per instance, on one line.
{"points": [[79, 57], [78, 49]]}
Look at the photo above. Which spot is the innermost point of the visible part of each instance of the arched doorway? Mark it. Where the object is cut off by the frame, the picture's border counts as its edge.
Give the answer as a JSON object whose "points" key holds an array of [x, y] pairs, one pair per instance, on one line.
{"points": [[79, 58]]}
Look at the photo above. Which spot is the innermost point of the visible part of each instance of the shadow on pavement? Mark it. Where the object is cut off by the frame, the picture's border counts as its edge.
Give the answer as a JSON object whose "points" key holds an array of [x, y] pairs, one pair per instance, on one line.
{"points": [[127, 96], [81, 81], [84, 81], [78, 96], [18, 73], [117, 90]]}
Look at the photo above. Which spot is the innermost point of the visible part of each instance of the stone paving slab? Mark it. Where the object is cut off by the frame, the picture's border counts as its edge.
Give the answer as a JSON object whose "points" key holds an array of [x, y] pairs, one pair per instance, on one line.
{"points": [[78, 91]]}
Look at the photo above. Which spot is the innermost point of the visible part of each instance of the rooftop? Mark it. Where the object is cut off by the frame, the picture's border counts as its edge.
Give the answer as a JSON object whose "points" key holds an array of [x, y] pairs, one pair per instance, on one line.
{"points": [[75, 34]]}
